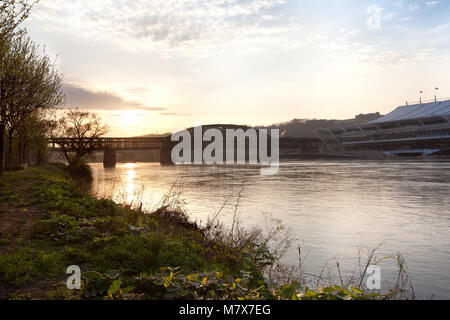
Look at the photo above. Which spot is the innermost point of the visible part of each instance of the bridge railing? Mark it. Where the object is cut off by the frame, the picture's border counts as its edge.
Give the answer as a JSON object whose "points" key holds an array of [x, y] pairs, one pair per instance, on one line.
{"points": [[109, 143], [157, 143]]}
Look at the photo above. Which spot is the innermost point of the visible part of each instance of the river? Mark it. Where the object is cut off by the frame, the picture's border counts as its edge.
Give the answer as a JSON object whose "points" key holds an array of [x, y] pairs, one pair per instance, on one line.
{"points": [[331, 207]]}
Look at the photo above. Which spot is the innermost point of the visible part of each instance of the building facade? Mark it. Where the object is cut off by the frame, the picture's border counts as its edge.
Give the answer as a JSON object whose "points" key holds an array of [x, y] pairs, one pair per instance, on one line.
{"points": [[412, 130]]}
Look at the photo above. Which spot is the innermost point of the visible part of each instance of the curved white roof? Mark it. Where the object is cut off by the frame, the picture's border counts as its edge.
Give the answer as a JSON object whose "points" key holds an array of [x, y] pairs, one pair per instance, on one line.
{"points": [[417, 111]]}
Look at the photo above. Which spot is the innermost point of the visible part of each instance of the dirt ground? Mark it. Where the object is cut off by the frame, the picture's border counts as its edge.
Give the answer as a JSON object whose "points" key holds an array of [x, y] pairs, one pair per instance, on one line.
{"points": [[16, 225]]}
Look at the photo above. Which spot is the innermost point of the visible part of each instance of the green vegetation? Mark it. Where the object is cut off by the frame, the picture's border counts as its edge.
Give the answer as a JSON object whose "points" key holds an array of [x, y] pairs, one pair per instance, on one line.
{"points": [[47, 224], [80, 171], [71, 227], [30, 86]]}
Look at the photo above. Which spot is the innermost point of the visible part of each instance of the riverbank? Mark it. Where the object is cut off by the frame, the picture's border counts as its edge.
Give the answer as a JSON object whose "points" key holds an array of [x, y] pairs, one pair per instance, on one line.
{"points": [[47, 224]]}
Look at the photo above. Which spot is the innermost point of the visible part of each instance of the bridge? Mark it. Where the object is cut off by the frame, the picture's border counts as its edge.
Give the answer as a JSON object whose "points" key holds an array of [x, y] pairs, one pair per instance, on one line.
{"points": [[110, 145]]}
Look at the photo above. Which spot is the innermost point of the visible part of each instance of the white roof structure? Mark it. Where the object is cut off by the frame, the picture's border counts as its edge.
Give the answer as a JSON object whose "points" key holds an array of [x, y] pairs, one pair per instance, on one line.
{"points": [[417, 111]]}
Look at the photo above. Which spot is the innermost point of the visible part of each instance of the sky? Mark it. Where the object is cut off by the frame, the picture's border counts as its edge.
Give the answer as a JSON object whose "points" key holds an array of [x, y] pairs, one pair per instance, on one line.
{"points": [[155, 66]]}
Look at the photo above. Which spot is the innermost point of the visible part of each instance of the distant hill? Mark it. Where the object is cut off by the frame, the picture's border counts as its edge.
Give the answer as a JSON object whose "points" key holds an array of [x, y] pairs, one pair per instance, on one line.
{"points": [[154, 135], [304, 128]]}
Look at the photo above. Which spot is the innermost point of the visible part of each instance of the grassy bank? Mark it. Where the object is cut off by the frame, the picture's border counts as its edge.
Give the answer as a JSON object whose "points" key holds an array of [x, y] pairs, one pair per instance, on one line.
{"points": [[47, 224]]}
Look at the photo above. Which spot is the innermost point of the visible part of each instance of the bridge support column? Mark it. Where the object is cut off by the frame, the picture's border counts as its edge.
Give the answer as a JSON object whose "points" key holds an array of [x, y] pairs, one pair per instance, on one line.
{"points": [[109, 158], [165, 156]]}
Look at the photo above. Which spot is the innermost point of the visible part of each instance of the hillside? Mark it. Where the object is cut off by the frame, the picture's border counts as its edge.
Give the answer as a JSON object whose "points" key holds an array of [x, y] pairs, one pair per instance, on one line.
{"points": [[305, 128]]}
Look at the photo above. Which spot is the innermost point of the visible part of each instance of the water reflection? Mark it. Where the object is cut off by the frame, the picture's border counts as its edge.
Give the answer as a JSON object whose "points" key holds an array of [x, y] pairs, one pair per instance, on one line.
{"points": [[333, 207], [129, 182]]}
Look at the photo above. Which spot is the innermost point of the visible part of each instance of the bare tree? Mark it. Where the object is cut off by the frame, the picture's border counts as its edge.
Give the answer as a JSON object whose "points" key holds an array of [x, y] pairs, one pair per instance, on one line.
{"points": [[84, 129]]}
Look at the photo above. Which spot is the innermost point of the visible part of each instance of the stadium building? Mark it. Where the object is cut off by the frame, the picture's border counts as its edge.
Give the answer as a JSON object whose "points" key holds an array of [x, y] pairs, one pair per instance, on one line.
{"points": [[421, 129]]}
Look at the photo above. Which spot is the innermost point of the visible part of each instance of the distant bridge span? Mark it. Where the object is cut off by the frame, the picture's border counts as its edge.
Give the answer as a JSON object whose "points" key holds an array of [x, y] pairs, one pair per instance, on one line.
{"points": [[119, 144], [109, 145]]}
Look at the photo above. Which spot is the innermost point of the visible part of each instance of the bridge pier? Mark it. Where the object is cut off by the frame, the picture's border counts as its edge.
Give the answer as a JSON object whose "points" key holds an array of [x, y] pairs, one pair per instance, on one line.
{"points": [[109, 158], [165, 156]]}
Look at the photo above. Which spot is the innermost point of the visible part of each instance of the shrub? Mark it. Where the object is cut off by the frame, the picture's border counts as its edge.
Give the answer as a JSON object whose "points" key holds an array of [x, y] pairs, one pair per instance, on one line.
{"points": [[80, 170]]}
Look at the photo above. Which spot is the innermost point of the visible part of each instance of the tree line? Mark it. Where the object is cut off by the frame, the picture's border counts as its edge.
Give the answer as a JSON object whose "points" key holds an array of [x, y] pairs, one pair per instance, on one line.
{"points": [[30, 93]]}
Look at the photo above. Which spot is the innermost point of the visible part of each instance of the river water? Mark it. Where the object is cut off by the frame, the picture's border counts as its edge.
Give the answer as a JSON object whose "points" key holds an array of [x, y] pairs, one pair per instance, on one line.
{"points": [[332, 208]]}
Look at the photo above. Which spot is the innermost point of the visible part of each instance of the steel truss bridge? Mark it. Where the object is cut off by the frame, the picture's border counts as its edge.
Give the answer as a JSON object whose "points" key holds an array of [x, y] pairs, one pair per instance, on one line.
{"points": [[109, 145]]}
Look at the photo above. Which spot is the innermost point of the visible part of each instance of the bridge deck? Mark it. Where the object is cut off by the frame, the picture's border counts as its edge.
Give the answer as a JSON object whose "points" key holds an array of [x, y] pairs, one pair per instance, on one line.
{"points": [[158, 143], [152, 143]]}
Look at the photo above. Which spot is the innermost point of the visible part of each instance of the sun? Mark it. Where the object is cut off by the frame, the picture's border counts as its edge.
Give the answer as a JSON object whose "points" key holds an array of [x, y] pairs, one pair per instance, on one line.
{"points": [[129, 118]]}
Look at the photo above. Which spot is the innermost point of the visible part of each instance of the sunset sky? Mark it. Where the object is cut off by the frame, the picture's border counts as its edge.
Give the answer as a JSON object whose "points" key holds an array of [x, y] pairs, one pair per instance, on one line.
{"points": [[153, 66]]}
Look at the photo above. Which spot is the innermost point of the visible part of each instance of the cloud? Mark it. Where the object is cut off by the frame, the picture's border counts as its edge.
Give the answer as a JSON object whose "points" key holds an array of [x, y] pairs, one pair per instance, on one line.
{"points": [[166, 25], [388, 16], [431, 3], [83, 98], [207, 28], [440, 28], [175, 114]]}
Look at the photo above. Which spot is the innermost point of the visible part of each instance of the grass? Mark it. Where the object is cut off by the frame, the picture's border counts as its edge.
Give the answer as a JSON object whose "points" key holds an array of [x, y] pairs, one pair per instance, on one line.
{"points": [[74, 228], [48, 224]]}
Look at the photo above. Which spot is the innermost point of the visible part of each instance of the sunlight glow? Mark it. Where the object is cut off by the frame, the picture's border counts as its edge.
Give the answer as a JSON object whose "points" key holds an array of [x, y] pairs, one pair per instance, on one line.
{"points": [[130, 185], [129, 118]]}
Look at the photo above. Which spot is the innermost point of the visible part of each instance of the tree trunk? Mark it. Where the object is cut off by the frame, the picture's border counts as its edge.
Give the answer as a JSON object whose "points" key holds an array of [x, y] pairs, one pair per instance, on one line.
{"points": [[10, 154], [20, 150], [2, 148], [25, 153], [38, 157]]}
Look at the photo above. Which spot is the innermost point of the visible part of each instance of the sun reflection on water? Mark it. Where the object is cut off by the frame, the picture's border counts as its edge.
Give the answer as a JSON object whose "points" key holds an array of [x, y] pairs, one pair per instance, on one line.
{"points": [[130, 181]]}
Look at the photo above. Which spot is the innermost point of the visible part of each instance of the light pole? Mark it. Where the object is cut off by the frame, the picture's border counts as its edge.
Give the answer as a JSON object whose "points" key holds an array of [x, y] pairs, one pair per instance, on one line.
{"points": [[420, 96], [435, 94]]}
